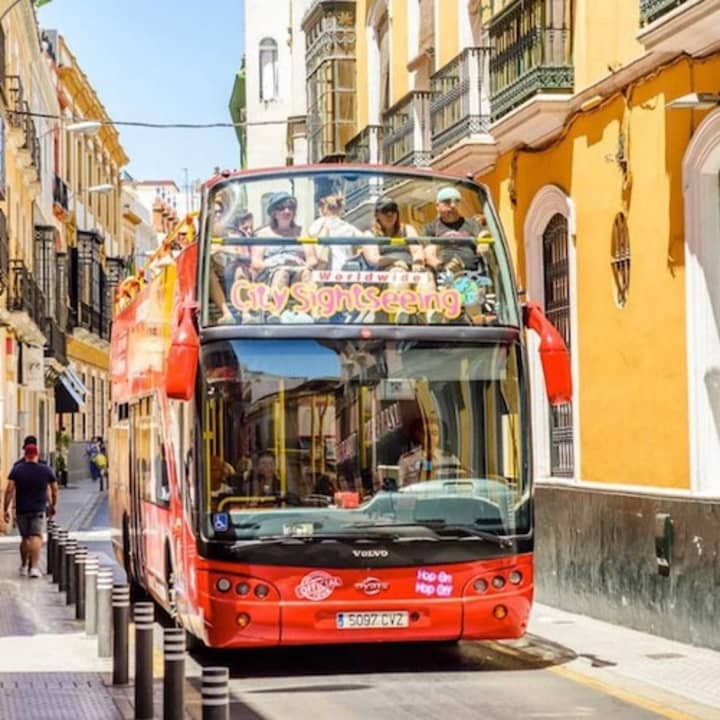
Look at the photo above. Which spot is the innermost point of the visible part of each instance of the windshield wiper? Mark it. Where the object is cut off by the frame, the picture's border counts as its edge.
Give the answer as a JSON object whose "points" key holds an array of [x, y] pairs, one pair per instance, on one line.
{"points": [[319, 537], [439, 526]]}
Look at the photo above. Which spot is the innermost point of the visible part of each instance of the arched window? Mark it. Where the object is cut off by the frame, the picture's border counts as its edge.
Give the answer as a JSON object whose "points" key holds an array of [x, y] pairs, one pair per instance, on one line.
{"points": [[268, 69]]}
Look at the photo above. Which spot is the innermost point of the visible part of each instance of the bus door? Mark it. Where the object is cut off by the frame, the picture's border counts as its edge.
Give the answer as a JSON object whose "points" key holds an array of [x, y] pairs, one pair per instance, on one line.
{"points": [[139, 477]]}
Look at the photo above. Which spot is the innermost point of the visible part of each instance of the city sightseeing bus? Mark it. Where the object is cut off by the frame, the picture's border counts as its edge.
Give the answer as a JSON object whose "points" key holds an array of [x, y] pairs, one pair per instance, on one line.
{"points": [[320, 429]]}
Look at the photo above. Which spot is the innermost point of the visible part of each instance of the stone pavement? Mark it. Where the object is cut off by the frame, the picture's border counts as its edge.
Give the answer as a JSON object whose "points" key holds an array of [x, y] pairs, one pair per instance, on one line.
{"points": [[49, 667]]}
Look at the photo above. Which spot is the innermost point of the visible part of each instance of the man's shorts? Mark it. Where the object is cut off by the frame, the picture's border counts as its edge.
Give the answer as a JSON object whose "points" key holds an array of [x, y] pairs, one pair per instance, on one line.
{"points": [[31, 524]]}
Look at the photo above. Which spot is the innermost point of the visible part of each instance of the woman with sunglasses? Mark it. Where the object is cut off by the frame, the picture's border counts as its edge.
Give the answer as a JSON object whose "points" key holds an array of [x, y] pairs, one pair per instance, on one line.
{"points": [[387, 223], [282, 265]]}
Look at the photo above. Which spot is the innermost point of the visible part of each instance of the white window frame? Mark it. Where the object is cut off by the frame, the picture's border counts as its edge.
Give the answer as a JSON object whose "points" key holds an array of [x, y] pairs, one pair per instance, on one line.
{"points": [[549, 201], [701, 185]]}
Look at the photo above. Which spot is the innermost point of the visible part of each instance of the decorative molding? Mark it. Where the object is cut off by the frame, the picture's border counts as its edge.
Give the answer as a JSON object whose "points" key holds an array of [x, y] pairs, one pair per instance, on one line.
{"points": [[691, 28], [701, 171], [549, 201]]}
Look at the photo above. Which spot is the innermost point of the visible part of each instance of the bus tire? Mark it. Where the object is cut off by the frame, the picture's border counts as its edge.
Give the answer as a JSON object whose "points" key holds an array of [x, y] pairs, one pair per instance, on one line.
{"points": [[193, 643]]}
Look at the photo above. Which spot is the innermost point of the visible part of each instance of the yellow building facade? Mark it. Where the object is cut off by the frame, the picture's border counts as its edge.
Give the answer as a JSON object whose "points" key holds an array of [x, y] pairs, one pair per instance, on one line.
{"points": [[98, 245], [596, 127]]}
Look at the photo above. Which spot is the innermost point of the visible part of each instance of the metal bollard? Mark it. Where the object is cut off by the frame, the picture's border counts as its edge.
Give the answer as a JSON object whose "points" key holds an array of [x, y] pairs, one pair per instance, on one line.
{"points": [[79, 572], [104, 612], [54, 557], [60, 559], [215, 694], [92, 565], [71, 590], [70, 544], [174, 673], [121, 622], [51, 537], [144, 614]]}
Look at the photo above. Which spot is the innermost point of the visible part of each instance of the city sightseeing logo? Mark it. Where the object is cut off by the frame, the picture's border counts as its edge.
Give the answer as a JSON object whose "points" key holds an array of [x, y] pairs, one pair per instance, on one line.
{"points": [[317, 585]]}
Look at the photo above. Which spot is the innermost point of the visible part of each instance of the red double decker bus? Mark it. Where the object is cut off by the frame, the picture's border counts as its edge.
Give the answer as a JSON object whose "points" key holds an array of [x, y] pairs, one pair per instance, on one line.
{"points": [[320, 428]]}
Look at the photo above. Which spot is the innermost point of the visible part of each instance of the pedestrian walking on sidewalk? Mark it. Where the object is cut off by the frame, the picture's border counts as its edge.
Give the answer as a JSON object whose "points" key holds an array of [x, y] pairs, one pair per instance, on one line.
{"points": [[33, 486]]}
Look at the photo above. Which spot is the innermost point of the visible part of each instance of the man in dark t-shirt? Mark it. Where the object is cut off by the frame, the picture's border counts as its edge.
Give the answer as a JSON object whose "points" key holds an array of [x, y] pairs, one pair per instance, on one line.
{"points": [[33, 486], [459, 233]]}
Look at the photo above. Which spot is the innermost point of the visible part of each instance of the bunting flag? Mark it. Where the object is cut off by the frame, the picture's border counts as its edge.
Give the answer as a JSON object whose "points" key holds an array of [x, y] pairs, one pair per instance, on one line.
{"points": [[40, 3]]}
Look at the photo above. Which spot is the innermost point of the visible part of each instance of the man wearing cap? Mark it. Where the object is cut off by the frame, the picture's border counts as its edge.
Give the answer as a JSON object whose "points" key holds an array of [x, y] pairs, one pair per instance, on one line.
{"points": [[33, 487], [454, 255], [29, 440]]}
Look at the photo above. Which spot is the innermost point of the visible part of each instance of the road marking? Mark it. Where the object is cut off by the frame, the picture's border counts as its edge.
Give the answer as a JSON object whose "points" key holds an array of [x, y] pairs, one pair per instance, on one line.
{"points": [[620, 694]]}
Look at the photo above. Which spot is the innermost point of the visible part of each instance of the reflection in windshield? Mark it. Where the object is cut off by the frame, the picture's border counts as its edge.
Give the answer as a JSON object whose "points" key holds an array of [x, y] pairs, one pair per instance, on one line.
{"points": [[354, 248], [363, 432]]}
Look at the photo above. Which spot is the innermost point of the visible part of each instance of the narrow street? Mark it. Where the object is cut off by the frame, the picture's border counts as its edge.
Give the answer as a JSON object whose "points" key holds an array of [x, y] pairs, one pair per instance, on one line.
{"points": [[568, 666]]}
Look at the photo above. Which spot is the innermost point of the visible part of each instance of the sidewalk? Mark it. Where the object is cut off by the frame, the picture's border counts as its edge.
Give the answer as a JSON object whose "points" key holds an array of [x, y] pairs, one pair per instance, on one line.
{"points": [[49, 668]]}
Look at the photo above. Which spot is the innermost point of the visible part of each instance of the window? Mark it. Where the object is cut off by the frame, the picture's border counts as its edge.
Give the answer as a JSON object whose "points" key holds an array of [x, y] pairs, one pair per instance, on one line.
{"points": [[268, 70], [620, 262], [557, 309]]}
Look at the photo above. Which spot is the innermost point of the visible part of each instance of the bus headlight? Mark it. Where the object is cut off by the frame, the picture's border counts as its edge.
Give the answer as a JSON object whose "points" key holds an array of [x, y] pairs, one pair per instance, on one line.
{"points": [[223, 585], [261, 591], [515, 577], [480, 585], [242, 588]]}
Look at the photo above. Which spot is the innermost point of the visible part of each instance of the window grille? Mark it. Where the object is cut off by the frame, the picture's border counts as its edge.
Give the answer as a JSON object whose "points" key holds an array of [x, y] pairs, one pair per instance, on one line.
{"points": [[620, 262], [557, 309]]}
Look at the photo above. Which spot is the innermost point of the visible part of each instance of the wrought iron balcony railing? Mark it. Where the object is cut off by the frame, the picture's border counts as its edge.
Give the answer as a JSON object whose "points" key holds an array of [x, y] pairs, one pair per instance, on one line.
{"points": [[460, 105], [366, 146], [89, 318], [406, 130], [4, 253], [19, 118], [533, 54], [651, 10], [25, 295], [56, 342], [60, 194]]}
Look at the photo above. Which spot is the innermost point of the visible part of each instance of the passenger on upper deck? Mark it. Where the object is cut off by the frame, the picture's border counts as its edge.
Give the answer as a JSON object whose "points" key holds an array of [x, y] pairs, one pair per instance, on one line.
{"points": [[230, 258], [331, 224], [388, 224], [452, 254], [282, 264]]}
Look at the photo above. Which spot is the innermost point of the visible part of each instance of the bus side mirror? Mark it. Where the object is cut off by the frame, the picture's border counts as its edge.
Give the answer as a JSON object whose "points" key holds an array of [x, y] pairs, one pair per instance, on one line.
{"points": [[183, 356], [554, 355]]}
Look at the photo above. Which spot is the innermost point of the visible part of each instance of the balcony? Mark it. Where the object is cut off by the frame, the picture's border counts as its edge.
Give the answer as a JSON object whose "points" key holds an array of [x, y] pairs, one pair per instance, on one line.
{"points": [[56, 348], [460, 111], [61, 206], [366, 146], [4, 253], [679, 26], [533, 54], [651, 10], [406, 130], [26, 299], [22, 135]]}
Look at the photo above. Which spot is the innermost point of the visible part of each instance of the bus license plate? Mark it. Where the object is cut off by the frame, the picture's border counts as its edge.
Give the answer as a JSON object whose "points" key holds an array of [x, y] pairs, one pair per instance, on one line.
{"points": [[364, 620]]}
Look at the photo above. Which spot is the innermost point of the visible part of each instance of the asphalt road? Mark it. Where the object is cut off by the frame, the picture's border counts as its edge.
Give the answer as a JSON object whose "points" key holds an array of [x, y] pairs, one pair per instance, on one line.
{"points": [[407, 681]]}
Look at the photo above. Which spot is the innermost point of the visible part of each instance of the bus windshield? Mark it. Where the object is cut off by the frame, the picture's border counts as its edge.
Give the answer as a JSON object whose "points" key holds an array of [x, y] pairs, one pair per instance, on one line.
{"points": [[315, 437], [355, 246]]}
